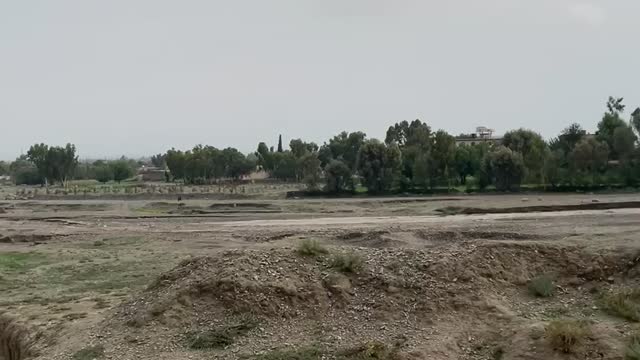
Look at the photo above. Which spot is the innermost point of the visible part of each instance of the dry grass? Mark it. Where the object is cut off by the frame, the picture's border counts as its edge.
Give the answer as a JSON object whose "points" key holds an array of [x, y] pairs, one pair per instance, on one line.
{"points": [[347, 262], [304, 353], [542, 286], [223, 336], [311, 248], [89, 353], [371, 350], [624, 303], [566, 335]]}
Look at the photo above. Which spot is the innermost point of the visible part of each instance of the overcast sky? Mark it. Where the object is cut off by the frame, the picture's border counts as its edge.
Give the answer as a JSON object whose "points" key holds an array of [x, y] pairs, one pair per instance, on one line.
{"points": [[136, 77]]}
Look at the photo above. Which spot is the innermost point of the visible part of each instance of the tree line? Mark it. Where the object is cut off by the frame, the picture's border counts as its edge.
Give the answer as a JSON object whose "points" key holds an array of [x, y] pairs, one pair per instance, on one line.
{"points": [[412, 158]]}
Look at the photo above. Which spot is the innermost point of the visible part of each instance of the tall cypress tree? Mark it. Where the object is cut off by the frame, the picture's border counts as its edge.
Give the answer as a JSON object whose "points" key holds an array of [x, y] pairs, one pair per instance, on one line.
{"points": [[280, 144]]}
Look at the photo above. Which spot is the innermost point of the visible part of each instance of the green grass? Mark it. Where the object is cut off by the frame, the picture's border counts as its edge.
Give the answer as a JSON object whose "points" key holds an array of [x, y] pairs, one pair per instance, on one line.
{"points": [[221, 337], [347, 262], [113, 243], [89, 353], [542, 286], [19, 262], [311, 248], [566, 335], [624, 303], [64, 277]]}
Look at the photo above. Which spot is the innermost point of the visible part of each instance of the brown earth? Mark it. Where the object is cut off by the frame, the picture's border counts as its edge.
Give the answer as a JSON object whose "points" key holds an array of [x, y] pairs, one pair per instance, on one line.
{"points": [[137, 279]]}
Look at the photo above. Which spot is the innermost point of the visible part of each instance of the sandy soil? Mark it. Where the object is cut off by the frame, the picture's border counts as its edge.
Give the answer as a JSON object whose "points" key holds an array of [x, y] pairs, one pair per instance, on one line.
{"points": [[76, 271]]}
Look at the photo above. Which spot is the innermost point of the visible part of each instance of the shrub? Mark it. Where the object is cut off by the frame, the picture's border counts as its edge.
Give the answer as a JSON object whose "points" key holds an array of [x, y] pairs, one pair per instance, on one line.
{"points": [[566, 335], [221, 337], [311, 248], [541, 286], [347, 262], [632, 351], [624, 303], [89, 353], [371, 350]]}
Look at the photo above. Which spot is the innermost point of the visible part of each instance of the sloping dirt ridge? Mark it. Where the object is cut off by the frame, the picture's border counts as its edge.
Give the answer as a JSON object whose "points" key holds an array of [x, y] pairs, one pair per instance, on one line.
{"points": [[463, 302], [540, 208], [15, 340]]}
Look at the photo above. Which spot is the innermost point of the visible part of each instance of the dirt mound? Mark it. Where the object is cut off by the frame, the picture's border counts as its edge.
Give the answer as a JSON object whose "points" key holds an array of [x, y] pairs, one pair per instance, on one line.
{"points": [[449, 236], [24, 238], [466, 293], [370, 239], [15, 340]]}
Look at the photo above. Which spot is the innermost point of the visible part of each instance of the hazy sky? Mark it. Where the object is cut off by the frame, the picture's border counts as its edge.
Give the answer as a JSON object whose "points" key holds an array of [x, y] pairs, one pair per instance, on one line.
{"points": [[136, 77]]}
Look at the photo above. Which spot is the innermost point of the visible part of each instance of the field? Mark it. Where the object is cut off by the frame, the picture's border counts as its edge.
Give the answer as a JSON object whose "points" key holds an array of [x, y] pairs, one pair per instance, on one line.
{"points": [[523, 276]]}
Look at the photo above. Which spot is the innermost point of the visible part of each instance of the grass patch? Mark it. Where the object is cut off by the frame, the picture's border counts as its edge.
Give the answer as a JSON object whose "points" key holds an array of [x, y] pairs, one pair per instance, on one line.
{"points": [[221, 337], [89, 353], [624, 303], [19, 262], [632, 351], [305, 353], [566, 335], [371, 350], [311, 248], [347, 262], [542, 286]]}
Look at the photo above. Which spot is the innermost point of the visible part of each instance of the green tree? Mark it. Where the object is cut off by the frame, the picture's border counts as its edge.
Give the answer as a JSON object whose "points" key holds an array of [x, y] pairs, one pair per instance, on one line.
{"points": [[311, 170], [614, 105], [38, 154], [590, 156], [236, 164], [407, 134], [554, 159], [414, 140], [300, 148], [635, 120], [265, 157], [623, 141], [345, 147], [610, 122], [421, 172], [506, 168], [379, 165], [158, 161], [533, 150], [121, 170], [24, 172], [464, 163], [54, 163], [4, 168], [338, 177], [280, 149], [443, 154], [66, 162], [568, 138], [176, 162], [324, 155], [103, 173], [285, 166]]}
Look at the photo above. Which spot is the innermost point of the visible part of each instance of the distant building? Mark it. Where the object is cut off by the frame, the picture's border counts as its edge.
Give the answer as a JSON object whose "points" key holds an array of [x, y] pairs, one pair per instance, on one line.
{"points": [[482, 135]]}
